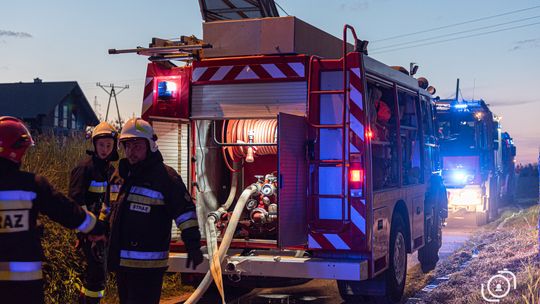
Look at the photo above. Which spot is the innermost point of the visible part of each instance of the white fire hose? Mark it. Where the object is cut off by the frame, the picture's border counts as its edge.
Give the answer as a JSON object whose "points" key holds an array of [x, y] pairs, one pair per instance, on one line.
{"points": [[215, 261]]}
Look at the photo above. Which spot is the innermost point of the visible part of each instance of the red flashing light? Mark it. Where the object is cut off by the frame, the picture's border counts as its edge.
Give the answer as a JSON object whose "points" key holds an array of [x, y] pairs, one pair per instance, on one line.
{"points": [[369, 134], [357, 175]]}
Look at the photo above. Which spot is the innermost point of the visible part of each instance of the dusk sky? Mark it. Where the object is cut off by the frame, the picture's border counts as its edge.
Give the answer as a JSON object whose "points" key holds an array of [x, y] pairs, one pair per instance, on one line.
{"points": [[493, 46]]}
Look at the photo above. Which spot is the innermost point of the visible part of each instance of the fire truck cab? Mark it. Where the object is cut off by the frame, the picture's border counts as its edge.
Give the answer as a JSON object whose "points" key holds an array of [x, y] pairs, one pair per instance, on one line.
{"points": [[337, 151], [477, 158]]}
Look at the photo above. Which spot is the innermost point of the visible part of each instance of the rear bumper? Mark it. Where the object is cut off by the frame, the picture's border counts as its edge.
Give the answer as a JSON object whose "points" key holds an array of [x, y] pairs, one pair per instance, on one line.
{"points": [[280, 266]]}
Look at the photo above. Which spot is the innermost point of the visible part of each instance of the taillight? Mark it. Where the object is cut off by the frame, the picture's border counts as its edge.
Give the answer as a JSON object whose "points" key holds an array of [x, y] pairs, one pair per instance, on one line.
{"points": [[356, 179]]}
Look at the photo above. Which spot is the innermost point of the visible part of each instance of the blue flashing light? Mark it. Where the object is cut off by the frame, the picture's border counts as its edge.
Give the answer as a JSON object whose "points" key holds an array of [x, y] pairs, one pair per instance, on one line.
{"points": [[460, 106], [166, 89]]}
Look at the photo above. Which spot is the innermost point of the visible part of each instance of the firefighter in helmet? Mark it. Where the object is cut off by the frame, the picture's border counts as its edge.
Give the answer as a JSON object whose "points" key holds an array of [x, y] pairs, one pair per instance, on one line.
{"points": [[89, 187], [152, 195], [23, 196]]}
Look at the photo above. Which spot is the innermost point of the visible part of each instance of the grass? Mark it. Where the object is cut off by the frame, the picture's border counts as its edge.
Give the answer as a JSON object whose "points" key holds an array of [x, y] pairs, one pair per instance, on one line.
{"points": [[512, 245], [54, 159]]}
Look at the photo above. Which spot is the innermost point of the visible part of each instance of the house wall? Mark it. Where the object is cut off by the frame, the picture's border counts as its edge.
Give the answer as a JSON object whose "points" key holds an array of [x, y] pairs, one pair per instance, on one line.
{"points": [[58, 125]]}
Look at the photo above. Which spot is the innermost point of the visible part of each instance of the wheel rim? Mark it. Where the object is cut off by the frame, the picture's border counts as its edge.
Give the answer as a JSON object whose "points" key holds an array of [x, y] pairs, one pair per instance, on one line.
{"points": [[400, 258]]}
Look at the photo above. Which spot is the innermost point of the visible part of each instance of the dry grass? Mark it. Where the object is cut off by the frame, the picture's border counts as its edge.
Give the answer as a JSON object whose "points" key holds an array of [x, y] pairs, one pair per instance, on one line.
{"points": [[54, 159], [513, 246]]}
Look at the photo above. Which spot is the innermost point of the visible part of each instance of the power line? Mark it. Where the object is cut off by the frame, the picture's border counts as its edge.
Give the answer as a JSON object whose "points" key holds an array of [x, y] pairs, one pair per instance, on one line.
{"points": [[455, 33], [458, 38], [112, 93], [281, 8], [456, 24]]}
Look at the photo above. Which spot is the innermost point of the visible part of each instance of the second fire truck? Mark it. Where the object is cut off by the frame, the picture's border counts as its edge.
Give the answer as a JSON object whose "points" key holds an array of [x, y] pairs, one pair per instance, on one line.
{"points": [[477, 158]]}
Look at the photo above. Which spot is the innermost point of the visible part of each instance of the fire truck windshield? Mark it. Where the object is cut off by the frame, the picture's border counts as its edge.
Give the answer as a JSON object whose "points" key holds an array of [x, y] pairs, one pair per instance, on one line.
{"points": [[458, 136]]}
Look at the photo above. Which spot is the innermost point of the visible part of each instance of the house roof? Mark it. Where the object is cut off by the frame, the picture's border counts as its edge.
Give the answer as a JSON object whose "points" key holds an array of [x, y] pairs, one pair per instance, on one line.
{"points": [[28, 100]]}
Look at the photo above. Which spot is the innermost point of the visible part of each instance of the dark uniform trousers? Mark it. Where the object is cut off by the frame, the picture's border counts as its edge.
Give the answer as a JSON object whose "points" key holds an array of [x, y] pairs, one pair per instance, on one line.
{"points": [[139, 287]]}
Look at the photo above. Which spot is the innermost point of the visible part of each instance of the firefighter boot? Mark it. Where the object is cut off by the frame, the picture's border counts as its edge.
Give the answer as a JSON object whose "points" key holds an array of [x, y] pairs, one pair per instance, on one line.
{"points": [[84, 299]]}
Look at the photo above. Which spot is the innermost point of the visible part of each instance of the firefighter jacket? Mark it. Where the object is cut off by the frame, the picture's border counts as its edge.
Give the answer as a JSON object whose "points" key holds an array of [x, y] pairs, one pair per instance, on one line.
{"points": [[152, 195], [22, 196], [89, 185]]}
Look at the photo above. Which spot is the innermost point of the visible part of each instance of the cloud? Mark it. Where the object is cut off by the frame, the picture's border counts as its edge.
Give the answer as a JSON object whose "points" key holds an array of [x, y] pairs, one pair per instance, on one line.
{"points": [[526, 44], [4, 68], [4, 33]]}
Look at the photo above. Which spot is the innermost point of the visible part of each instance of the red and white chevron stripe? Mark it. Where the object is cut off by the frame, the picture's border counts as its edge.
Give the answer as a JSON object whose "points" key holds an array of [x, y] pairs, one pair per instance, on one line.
{"points": [[247, 70]]}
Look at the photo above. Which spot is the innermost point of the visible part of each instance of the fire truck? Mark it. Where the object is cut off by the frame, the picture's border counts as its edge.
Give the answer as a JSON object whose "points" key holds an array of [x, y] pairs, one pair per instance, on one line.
{"points": [[477, 158], [307, 158]]}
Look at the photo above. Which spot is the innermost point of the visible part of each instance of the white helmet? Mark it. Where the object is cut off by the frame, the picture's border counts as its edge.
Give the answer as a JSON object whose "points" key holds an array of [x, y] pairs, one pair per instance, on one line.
{"points": [[104, 129], [139, 128]]}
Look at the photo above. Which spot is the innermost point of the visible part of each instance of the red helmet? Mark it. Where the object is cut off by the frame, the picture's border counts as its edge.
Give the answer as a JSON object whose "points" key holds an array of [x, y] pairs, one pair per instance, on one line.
{"points": [[14, 138]]}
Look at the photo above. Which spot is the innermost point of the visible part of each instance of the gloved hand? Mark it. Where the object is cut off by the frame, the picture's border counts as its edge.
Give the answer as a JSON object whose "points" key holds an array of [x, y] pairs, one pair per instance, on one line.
{"points": [[192, 241], [195, 257]]}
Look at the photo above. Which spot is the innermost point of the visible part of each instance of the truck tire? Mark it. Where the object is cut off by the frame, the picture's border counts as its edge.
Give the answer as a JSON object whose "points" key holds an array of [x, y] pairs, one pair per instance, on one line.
{"points": [[428, 256], [397, 272]]}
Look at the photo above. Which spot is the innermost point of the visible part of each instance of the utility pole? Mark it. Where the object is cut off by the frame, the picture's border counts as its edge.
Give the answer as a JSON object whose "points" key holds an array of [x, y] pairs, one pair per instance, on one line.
{"points": [[457, 90], [112, 93]]}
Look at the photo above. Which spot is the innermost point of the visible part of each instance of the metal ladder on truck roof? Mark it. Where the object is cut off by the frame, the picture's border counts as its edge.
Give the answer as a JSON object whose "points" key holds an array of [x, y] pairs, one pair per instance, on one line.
{"points": [[314, 96]]}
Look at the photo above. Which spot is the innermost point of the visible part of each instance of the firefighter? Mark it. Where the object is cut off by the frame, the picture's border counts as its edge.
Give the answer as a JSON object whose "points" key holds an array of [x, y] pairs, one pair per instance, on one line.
{"points": [[90, 188], [152, 195], [23, 196]]}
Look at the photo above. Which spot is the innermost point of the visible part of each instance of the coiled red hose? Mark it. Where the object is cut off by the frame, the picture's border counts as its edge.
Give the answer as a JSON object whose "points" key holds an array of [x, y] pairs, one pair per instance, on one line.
{"points": [[238, 131]]}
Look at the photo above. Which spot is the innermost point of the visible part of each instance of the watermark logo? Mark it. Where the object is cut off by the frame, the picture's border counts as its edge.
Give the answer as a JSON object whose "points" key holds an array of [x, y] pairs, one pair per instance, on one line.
{"points": [[498, 286]]}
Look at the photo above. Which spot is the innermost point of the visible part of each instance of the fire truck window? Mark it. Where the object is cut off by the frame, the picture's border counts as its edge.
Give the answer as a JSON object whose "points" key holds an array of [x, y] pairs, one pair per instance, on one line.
{"points": [[410, 139], [384, 136], [426, 117]]}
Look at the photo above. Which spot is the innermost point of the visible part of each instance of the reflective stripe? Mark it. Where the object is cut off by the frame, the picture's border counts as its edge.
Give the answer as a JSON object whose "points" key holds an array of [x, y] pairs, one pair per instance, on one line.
{"points": [[20, 266], [115, 189], [93, 294], [145, 200], [144, 263], [88, 223], [114, 196], [188, 224], [336, 241], [98, 184], [146, 192], [97, 187], [190, 215], [20, 271], [144, 255], [17, 195], [21, 276], [15, 204]]}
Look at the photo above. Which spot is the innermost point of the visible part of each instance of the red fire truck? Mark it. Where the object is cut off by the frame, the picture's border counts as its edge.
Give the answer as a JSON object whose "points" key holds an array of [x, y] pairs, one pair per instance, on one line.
{"points": [[337, 152], [477, 158]]}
